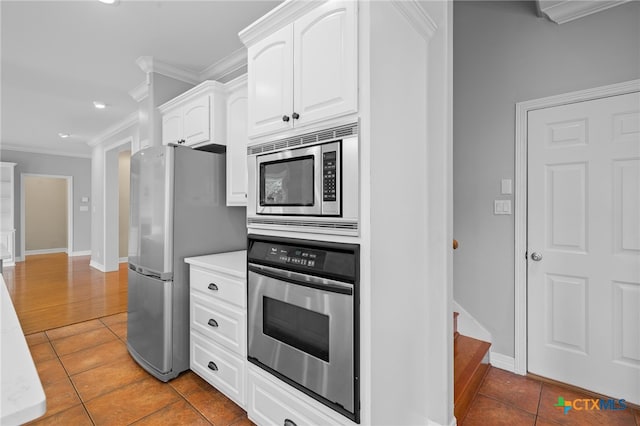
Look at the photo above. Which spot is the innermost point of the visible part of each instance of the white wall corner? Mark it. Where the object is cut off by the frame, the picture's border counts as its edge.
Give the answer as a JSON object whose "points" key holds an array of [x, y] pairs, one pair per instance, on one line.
{"points": [[503, 362], [469, 326], [99, 266]]}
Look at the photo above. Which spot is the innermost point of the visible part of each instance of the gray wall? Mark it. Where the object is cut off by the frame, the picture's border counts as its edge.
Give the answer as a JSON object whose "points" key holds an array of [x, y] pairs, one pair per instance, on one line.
{"points": [[79, 168], [504, 54]]}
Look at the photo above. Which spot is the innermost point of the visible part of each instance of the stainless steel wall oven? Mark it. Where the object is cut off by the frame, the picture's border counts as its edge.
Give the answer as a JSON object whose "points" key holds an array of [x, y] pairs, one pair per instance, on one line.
{"points": [[303, 319]]}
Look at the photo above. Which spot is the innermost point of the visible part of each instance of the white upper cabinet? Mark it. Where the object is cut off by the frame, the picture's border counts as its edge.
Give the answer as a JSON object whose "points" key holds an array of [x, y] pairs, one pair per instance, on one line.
{"points": [[237, 122], [306, 71], [196, 117], [196, 123], [325, 79], [172, 127], [270, 67]]}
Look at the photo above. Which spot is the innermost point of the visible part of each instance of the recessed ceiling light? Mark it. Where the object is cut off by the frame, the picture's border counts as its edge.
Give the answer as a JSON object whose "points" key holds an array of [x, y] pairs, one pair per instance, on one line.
{"points": [[108, 1], [99, 105], [64, 135]]}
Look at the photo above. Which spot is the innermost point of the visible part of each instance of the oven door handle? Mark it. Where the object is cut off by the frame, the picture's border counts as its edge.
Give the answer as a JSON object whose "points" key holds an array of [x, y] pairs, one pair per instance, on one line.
{"points": [[312, 281]]}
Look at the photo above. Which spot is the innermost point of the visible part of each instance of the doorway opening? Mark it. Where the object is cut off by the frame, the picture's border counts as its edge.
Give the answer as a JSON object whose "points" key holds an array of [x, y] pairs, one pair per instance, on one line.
{"points": [[116, 204], [47, 214]]}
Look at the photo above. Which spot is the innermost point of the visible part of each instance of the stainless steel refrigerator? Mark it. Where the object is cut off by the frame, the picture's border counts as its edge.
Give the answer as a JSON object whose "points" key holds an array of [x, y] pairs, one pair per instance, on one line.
{"points": [[178, 209]]}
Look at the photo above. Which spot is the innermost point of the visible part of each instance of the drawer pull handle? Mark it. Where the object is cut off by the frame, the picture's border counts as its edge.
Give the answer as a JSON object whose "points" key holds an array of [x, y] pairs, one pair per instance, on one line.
{"points": [[288, 422], [212, 366], [213, 287], [213, 323]]}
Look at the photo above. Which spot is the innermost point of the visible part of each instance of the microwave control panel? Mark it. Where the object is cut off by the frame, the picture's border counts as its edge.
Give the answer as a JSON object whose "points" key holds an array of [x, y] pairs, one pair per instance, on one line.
{"points": [[329, 180]]}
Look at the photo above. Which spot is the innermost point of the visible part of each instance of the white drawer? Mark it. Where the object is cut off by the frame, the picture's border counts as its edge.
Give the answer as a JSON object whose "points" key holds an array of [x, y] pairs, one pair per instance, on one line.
{"points": [[222, 369], [220, 322], [219, 286], [268, 403]]}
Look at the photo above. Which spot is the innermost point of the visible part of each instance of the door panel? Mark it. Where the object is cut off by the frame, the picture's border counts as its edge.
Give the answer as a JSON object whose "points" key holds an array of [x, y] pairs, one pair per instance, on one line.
{"points": [[150, 239], [584, 222], [325, 62], [270, 69], [197, 124], [149, 320]]}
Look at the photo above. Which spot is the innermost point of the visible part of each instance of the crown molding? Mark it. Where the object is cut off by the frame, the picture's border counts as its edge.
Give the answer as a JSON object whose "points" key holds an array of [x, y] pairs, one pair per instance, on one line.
{"points": [[149, 64], [130, 120], [225, 66], [561, 11], [140, 92], [46, 151], [282, 15], [417, 16], [236, 83]]}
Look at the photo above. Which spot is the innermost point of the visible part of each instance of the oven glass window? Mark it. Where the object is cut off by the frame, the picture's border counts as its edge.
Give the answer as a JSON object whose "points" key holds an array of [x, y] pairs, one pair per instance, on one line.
{"points": [[298, 327], [287, 182]]}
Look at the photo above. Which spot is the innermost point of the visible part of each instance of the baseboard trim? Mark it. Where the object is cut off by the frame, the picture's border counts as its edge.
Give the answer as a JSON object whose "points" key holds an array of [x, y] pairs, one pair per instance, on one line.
{"points": [[123, 260], [502, 362], [99, 266], [81, 253], [454, 422], [46, 251]]}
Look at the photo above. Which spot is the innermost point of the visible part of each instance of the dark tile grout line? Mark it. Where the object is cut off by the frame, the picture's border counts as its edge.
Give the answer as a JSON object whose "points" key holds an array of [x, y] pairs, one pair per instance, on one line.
{"points": [[536, 415], [82, 402]]}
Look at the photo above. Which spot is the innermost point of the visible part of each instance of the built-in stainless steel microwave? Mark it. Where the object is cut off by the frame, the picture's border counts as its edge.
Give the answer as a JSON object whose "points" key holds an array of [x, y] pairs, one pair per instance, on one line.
{"points": [[317, 180]]}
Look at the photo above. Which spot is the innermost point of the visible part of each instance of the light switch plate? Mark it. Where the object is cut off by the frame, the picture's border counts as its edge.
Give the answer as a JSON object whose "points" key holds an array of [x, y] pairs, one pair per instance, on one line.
{"points": [[502, 207], [84, 208], [506, 187]]}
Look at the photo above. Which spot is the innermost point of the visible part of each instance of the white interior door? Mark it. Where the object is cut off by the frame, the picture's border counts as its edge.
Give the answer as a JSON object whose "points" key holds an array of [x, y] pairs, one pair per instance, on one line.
{"points": [[584, 245]]}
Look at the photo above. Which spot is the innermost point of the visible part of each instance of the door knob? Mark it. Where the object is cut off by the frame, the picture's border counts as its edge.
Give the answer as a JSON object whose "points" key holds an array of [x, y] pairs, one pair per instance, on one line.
{"points": [[535, 256]]}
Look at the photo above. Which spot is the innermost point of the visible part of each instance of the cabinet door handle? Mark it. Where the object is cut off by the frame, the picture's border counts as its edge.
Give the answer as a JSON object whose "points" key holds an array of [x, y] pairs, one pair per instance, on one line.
{"points": [[213, 323], [212, 366], [288, 422], [213, 287], [181, 141], [295, 115], [285, 118]]}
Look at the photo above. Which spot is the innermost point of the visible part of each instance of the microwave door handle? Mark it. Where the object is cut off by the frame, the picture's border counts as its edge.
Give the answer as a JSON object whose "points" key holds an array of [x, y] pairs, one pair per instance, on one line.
{"points": [[302, 279]]}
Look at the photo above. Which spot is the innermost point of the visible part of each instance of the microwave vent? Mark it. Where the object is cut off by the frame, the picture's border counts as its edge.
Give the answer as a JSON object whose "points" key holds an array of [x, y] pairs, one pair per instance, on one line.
{"points": [[342, 227], [326, 135]]}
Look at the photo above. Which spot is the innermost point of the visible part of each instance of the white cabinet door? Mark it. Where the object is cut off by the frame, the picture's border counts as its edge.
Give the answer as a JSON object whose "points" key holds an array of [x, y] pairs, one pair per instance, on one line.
{"points": [[270, 66], [325, 63], [237, 123], [196, 126], [171, 127]]}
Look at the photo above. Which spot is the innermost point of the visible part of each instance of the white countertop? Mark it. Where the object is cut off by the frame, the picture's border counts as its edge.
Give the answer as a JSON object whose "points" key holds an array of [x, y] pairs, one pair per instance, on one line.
{"points": [[232, 263], [21, 395]]}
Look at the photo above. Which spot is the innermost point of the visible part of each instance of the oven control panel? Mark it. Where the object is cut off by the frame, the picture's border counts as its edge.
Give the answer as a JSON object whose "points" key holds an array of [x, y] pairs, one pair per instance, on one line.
{"points": [[287, 255], [330, 260]]}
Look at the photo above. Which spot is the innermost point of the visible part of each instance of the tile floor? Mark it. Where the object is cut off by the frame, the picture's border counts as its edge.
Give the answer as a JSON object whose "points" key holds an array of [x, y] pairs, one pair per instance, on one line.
{"points": [[509, 399], [90, 379]]}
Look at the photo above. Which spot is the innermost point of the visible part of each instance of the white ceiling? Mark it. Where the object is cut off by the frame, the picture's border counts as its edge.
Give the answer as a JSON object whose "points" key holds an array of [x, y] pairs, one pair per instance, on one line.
{"points": [[60, 56]]}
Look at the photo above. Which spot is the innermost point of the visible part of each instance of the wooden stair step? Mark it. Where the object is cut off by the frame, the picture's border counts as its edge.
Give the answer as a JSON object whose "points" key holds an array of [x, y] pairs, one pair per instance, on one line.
{"points": [[470, 365], [455, 325]]}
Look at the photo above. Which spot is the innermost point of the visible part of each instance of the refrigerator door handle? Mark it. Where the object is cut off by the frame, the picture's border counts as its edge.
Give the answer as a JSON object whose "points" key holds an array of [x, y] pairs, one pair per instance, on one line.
{"points": [[164, 276]]}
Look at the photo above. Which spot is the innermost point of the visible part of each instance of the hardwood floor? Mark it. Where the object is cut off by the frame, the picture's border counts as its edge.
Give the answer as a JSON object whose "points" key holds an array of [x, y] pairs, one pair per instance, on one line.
{"points": [[54, 290]]}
